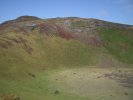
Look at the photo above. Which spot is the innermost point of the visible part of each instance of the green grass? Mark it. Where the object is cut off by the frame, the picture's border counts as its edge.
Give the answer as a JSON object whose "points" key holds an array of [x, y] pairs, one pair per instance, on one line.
{"points": [[47, 52], [119, 43], [36, 88], [84, 85]]}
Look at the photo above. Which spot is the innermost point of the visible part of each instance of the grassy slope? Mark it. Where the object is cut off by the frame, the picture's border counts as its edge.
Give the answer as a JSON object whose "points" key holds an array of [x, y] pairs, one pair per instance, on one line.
{"points": [[119, 43], [35, 51], [47, 52]]}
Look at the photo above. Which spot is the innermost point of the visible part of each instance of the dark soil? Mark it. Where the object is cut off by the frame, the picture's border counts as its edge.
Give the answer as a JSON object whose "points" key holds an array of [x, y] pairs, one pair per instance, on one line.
{"points": [[124, 79]]}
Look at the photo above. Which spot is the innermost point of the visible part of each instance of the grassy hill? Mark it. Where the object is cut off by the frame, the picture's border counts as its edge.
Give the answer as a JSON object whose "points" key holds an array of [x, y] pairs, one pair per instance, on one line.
{"points": [[31, 49]]}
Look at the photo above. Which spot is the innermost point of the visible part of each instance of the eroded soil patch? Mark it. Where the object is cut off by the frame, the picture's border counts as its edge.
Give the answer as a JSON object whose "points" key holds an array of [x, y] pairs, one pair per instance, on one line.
{"points": [[95, 83], [125, 79]]}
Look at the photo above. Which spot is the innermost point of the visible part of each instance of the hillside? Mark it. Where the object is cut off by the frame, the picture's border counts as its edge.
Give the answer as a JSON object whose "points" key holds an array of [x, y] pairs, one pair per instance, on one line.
{"points": [[32, 45], [64, 41]]}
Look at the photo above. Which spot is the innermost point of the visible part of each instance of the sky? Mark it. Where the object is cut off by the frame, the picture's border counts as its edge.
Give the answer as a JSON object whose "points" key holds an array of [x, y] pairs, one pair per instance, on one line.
{"points": [[119, 11]]}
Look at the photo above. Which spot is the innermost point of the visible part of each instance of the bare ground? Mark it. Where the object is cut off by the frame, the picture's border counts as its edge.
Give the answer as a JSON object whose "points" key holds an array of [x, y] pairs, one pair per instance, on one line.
{"points": [[95, 83]]}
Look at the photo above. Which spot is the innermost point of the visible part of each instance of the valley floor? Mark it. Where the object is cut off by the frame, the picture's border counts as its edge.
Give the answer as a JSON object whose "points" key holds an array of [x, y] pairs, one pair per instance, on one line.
{"points": [[71, 84]]}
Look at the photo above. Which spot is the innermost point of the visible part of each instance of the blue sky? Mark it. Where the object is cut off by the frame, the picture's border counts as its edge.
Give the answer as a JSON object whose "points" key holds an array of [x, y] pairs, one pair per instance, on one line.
{"points": [[120, 11]]}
